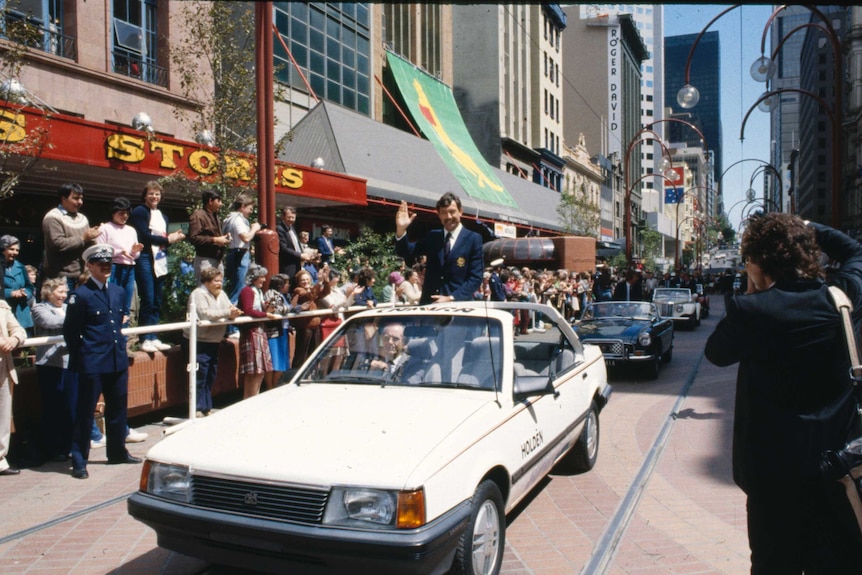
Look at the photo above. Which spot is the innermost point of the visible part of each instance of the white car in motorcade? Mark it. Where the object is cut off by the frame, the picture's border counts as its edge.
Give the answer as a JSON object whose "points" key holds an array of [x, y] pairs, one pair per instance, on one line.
{"points": [[398, 447], [679, 304]]}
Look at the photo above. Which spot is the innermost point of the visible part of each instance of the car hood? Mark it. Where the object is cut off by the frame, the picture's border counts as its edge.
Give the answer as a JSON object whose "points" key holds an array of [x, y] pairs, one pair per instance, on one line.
{"points": [[615, 328], [320, 434]]}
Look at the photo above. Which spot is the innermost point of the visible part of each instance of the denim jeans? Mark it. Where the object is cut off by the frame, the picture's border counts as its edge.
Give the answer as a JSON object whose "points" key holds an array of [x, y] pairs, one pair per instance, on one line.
{"points": [[235, 267], [149, 292], [124, 276]]}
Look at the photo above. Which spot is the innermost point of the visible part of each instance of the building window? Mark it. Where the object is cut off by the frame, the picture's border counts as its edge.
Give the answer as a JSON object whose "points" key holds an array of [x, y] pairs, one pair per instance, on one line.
{"points": [[134, 50], [37, 24], [331, 45]]}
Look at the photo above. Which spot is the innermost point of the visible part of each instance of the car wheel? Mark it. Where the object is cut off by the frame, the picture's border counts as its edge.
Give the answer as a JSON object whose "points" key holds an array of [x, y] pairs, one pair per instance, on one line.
{"points": [[480, 551], [651, 369], [692, 322], [668, 355], [586, 450]]}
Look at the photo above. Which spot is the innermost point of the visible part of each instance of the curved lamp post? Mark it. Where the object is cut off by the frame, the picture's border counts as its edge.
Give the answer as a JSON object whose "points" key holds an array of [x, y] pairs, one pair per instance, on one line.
{"points": [[763, 70], [666, 166], [777, 174], [678, 222], [835, 121], [688, 96], [629, 189]]}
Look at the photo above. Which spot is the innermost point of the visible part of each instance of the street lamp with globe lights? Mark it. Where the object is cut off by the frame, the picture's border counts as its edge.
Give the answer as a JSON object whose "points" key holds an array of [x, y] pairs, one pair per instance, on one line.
{"points": [[764, 68], [666, 172], [681, 200]]}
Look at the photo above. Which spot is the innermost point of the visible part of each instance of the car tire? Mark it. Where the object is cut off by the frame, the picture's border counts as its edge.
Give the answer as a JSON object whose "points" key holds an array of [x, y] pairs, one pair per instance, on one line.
{"points": [[480, 551], [668, 355], [692, 322], [586, 450], [651, 369]]}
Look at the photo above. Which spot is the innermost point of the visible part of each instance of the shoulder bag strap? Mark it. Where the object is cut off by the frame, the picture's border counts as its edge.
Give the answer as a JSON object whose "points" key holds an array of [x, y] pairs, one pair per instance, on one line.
{"points": [[842, 302]]}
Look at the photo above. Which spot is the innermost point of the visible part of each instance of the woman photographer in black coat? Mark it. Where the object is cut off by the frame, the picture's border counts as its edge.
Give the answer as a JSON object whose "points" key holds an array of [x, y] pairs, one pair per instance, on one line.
{"points": [[786, 334]]}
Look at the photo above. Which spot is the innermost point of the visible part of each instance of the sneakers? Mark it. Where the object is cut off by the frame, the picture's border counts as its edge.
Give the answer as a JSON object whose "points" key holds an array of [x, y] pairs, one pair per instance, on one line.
{"points": [[149, 346], [97, 444], [136, 436], [154, 345], [161, 346]]}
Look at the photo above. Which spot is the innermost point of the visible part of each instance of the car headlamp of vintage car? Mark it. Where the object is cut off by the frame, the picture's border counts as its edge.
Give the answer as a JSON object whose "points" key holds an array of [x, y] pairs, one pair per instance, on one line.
{"points": [[168, 481], [375, 508], [679, 308], [644, 339]]}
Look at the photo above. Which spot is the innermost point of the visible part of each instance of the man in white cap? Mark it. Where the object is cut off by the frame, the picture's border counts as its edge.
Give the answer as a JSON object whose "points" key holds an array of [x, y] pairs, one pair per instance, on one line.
{"points": [[97, 353], [498, 292]]}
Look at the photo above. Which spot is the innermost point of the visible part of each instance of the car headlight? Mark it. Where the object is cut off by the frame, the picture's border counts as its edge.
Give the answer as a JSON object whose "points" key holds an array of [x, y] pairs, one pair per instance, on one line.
{"points": [[679, 308], [375, 508], [169, 481], [644, 339]]}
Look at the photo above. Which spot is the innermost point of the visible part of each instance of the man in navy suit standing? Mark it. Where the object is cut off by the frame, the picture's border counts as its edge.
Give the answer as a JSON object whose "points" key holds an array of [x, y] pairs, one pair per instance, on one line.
{"points": [[454, 254], [97, 353]]}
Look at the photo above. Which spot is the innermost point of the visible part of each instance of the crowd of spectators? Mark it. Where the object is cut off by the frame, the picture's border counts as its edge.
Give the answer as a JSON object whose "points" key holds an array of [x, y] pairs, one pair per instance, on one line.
{"points": [[313, 274]]}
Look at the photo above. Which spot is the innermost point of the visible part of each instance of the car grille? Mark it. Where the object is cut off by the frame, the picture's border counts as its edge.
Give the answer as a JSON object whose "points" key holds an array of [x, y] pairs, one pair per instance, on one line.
{"points": [[298, 504], [611, 347], [666, 309]]}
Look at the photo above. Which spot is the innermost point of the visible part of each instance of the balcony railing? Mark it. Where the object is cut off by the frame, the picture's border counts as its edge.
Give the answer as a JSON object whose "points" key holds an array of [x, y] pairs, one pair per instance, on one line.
{"points": [[133, 65], [33, 33]]}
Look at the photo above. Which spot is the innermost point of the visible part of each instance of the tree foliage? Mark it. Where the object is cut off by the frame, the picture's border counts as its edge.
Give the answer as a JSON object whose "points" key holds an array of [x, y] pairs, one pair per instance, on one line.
{"points": [[20, 149], [370, 249], [214, 60], [650, 241], [577, 215]]}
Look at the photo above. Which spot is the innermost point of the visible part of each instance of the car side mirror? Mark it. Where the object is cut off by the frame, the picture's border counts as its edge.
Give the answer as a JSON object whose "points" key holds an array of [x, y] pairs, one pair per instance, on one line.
{"points": [[527, 386]]}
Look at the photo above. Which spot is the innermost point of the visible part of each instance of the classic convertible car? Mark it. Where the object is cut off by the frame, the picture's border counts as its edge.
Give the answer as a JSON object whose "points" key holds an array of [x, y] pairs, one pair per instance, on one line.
{"points": [[679, 305], [398, 447], [629, 333]]}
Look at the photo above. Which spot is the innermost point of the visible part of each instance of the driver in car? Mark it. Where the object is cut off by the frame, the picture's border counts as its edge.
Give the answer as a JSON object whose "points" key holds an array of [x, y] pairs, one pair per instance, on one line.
{"points": [[393, 361], [392, 355]]}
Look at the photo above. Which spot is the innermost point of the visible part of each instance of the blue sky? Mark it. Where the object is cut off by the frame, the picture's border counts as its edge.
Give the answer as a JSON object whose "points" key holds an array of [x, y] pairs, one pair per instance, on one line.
{"points": [[740, 32]]}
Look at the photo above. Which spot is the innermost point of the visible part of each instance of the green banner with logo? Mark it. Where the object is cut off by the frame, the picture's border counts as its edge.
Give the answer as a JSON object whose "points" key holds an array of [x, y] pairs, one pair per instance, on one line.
{"points": [[433, 108]]}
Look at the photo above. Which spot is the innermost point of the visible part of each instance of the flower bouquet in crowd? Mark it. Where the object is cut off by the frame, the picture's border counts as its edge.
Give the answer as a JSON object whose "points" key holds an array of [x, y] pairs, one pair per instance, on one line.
{"points": [[845, 466]]}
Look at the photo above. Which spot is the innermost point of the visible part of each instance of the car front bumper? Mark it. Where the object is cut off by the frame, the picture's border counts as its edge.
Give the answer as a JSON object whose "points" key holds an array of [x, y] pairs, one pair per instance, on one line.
{"points": [[281, 547]]}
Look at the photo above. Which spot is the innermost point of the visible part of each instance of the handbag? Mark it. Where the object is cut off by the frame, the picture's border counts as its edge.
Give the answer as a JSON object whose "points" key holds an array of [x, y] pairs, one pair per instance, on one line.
{"points": [[845, 465]]}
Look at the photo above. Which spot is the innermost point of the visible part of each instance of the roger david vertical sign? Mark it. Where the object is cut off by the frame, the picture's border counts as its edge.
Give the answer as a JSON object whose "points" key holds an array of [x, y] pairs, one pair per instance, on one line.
{"points": [[614, 91]]}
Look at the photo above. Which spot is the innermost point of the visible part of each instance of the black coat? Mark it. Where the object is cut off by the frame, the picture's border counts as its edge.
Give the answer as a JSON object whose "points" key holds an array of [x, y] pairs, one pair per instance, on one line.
{"points": [[793, 360], [289, 258], [458, 275]]}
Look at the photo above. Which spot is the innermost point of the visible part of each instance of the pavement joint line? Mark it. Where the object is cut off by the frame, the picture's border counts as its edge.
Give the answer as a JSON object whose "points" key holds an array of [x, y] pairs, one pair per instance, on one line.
{"points": [[64, 518], [605, 549]]}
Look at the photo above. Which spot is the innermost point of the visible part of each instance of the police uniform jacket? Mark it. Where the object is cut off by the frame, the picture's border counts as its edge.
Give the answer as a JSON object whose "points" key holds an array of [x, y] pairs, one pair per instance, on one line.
{"points": [[793, 361], [458, 275], [92, 329]]}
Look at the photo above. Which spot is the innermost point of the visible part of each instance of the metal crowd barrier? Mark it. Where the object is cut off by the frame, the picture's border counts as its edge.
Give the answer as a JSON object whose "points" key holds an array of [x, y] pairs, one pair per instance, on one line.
{"points": [[193, 323]]}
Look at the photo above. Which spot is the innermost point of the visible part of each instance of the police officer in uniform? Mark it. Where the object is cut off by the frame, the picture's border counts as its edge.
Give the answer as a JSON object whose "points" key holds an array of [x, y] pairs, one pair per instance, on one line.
{"points": [[97, 353]]}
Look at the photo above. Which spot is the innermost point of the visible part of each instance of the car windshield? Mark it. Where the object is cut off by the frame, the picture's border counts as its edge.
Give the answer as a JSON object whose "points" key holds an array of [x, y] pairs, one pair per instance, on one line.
{"points": [[672, 295], [624, 309], [430, 351]]}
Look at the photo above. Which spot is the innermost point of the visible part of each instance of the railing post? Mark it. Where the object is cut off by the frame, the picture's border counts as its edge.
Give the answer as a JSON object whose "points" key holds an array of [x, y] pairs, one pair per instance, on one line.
{"points": [[192, 365]]}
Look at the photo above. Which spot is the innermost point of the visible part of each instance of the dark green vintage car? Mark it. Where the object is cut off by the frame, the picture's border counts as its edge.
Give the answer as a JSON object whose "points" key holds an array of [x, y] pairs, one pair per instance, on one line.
{"points": [[629, 333]]}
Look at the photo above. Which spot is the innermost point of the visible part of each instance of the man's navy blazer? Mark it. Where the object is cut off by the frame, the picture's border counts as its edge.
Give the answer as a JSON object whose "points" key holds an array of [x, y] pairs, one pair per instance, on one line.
{"points": [[459, 275]]}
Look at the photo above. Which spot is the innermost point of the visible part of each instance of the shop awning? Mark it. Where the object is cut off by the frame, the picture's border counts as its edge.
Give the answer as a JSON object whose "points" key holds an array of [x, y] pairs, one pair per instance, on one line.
{"points": [[109, 160], [400, 166]]}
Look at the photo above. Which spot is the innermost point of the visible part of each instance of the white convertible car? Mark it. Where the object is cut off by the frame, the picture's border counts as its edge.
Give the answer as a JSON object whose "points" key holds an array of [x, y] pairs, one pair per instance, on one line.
{"points": [[679, 305], [398, 447]]}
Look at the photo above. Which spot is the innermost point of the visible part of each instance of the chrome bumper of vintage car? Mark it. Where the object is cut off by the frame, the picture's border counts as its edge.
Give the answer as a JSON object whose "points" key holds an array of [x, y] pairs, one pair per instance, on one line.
{"points": [[280, 547], [615, 350]]}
